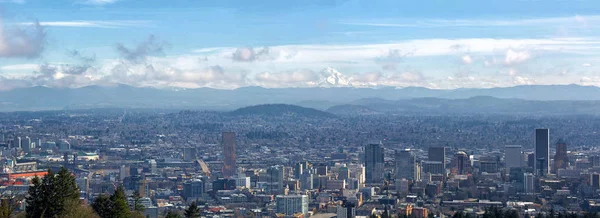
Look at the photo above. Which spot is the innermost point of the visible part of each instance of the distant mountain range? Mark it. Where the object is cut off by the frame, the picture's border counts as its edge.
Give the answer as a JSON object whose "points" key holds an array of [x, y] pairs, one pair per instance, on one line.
{"points": [[373, 100], [469, 106]]}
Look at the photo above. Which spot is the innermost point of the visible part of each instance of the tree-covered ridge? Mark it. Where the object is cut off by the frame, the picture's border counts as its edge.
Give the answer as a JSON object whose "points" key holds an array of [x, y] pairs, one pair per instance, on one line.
{"points": [[280, 110]]}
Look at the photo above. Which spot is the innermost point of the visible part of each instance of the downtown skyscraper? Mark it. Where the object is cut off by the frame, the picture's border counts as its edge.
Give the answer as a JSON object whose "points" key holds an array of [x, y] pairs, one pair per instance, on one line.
{"points": [[406, 165], [374, 163], [561, 158], [229, 167], [542, 151]]}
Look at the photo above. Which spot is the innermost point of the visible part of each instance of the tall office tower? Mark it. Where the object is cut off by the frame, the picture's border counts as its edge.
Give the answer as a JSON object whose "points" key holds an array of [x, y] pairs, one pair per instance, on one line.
{"points": [[437, 154], [374, 163], [561, 158], [193, 189], [433, 167], [322, 170], [299, 168], [462, 163], [528, 183], [124, 172], [17, 142], [594, 160], [290, 205], [513, 156], [153, 166], [531, 159], [307, 180], [229, 167], [26, 144], [275, 180], [343, 173], [542, 151], [406, 165], [595, 181], [346, 210]]}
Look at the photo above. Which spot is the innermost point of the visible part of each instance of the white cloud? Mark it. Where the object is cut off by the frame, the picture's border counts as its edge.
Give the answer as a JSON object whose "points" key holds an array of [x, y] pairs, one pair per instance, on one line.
{"points": [[518, 80], [466, 59], [94, 23], [550, 21], [97, 2], [428, 65], [20, 67], [515, 57], [16, 41], [586, 65]]}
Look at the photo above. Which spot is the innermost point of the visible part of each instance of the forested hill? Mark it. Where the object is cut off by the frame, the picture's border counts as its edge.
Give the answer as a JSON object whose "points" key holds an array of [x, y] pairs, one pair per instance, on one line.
{"points": [[280, 110]]}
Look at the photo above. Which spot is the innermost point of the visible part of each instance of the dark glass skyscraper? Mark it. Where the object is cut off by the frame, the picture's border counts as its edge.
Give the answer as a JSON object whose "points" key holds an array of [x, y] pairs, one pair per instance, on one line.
{"points": [[542, 151], [229, 167], [437, 154], [374, 163]]}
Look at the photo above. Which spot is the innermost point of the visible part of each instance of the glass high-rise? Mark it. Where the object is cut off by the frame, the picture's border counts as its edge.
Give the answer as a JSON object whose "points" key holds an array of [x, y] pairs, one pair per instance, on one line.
{"points": [[542, 151], [374, 163]]}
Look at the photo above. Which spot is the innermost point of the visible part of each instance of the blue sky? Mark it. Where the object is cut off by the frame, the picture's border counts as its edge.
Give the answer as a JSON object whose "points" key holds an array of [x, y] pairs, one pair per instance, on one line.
{"points": [[229, 44]]}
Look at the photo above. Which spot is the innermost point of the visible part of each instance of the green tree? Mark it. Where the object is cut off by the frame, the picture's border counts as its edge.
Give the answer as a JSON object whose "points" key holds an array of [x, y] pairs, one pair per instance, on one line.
{"points": [[172, 214], [35, 201], [120, 208], [193, 211], [102, 206], [7, 207], [50, 196]]}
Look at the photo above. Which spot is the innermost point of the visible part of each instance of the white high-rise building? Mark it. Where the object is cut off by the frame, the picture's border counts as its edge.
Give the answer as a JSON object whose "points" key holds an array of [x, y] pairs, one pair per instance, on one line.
{"points": [[528, 183], [292, 204], [242, 181], [513, 156]]}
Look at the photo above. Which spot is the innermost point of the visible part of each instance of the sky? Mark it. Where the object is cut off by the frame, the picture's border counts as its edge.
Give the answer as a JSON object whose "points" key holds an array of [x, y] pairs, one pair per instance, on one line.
{"points": [[227, 44]]}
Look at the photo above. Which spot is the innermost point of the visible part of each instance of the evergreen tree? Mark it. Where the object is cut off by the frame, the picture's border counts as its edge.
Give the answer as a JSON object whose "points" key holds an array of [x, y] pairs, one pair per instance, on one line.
{"points": [[102, 206], [193, 211], [120, 208], [35, 201], [50, 196], [172, 214]]}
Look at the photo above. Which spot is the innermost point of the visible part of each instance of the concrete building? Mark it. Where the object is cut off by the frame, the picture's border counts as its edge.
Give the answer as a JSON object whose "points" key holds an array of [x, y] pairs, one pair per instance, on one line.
{"points": [[528, 183], [346, 210], [290, 205], [437, 154], [406, 165], [275, 180], [193, 189], [513, 156]]}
